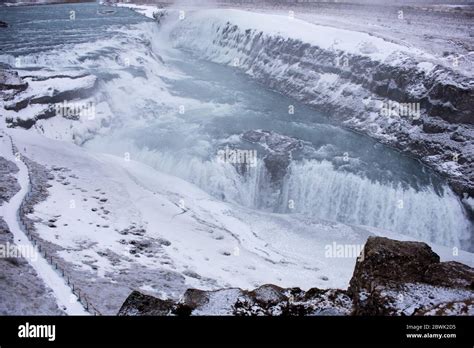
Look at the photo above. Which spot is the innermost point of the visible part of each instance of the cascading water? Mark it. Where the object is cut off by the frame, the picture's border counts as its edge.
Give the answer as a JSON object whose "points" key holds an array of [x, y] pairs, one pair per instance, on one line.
{"points": [[316, 188]]}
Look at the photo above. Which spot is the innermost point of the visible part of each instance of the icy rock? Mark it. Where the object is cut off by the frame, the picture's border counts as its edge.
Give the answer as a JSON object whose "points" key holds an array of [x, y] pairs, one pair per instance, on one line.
{"points": [[11, 84], [10, 80]]}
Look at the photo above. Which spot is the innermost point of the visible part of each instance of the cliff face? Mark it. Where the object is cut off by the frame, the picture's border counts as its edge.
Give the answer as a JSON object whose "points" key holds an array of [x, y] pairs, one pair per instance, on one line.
{"points": [[397, 95], [393, 278]]}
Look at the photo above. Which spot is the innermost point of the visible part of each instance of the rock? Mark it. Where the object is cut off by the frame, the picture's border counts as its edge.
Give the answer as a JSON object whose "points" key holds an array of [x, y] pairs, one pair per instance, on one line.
{"points": [[280, 149], [458, 137], [433, 127], [191, 274], [450, 274], [11, 84], [386, 261], [3, 24], [273, 141], [164, 242], [9, 79], [277, 165], [22, 291], [465, 307], [405, 278], [266, 300], [141, 304], [393, 278], [8, 183]]}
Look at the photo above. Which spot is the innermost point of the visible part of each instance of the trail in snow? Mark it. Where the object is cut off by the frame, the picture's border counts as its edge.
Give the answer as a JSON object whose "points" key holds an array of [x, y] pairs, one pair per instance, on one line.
{"points": [[66, 300]]}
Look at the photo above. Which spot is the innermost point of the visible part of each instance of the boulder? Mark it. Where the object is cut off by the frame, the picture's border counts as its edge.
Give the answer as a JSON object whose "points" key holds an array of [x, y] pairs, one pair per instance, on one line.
{"points": [[390, 261], [406, 278], [450, 274], [138, 303]]}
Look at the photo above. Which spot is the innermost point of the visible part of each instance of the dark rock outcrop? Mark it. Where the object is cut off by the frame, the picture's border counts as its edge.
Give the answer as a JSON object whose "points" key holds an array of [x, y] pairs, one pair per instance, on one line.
{"points": [[389, 261], [141, 304], [279, 150], [406, 278], [450, 274], [11, 84], [393, 278]]}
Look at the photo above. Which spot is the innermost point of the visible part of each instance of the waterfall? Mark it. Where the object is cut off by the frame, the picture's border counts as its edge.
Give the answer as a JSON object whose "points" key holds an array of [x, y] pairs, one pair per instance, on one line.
{"points": [[317, 189]]}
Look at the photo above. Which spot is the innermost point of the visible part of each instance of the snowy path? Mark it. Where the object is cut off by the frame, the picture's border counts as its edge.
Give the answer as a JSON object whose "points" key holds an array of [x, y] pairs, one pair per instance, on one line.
{"points": [[66, 300]]}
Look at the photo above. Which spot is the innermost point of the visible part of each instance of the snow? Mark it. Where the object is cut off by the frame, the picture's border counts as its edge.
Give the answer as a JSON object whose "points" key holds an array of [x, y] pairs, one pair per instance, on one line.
{"points": [[146, 10], [413, 296], [427, 67], [357, 43], [65, 298]]}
